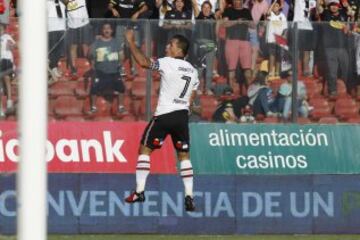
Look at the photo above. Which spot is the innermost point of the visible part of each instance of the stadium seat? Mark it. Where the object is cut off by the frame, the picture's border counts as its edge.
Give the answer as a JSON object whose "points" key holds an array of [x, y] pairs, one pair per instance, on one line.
{"points": [[313, 89], [154, 101], [355, 120], [65, 106], [321, 109], [303, 120], [328, 120], [75, 119], [128, 104], [102, 105], [103, 119], [346, 108], [138, 89], [82, 66], [62, 88], [81, 90], [271, 120], [340, 88], [208, 106], [128, 118]]}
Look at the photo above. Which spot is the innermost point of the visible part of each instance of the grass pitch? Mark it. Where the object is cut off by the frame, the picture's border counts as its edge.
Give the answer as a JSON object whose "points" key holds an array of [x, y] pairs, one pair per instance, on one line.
{"points": [[195, 237]]}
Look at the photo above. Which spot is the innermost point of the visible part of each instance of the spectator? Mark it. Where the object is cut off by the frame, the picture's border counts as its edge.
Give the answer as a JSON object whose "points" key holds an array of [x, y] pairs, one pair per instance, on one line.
{"points": [[5, 12], [276, 27], [230, 109], [105, 55], [56, 32], [128, 11], [196, 109], [303, 15], [283, 100], [79, 30], [259, 9], [247, 115], [205, 44], [261, 97], [7, 43], [178, 20], [237, 45], [334, 41]]}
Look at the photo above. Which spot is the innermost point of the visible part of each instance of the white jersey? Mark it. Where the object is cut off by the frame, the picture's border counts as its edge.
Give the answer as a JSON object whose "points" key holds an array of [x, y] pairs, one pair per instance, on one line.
{"points": [[77, 13], [302, 13], [178, 80], [54, 22], [276, 25], [5, 51]]}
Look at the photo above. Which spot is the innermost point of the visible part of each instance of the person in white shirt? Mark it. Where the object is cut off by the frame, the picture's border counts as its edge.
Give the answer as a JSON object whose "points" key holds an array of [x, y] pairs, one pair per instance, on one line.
{"points": [[5, 12], [276, 26], [179, 83], [80, 32], [7, 43], [56, 32]]}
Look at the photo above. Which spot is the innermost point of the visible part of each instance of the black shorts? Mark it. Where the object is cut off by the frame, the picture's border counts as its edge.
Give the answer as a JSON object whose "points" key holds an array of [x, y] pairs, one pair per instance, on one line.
{"points": [[6, 66], [175, 124], [81, 35], [274, 50], [105, 83]]}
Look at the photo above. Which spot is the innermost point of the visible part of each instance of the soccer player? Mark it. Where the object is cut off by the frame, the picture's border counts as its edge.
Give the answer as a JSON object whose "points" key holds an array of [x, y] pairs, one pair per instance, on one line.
{"points": [[179, 82]]}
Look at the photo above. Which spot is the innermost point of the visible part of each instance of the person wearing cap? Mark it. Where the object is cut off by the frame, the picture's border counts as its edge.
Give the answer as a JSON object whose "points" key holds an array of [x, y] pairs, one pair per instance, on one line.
{"points": [[230, 109], [334, 42]]}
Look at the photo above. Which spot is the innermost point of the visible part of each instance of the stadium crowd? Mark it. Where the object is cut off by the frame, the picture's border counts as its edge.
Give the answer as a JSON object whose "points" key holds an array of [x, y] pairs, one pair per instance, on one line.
{"points": [[243, 49]]}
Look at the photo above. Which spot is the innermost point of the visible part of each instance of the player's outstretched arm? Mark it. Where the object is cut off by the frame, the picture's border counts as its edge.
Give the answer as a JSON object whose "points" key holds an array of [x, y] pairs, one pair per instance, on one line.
{"points": [[139, 57]]}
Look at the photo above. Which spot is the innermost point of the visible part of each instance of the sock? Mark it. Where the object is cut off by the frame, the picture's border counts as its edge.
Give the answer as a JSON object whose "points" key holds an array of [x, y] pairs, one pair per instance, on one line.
{"points": [[9, 103], [186, 172], [142, 171]]}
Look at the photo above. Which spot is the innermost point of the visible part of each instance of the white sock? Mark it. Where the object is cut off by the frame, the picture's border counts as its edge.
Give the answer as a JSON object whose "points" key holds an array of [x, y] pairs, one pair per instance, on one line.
{"points": [[9, 103], [142, 171], [186, 172]]}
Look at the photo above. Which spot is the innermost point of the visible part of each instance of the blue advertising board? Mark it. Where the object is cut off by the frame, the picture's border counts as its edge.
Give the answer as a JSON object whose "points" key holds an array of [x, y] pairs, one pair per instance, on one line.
{"points": [[94, 203]]}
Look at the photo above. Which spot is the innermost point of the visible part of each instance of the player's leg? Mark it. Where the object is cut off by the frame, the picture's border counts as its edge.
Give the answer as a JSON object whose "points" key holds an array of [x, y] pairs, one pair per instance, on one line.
{"points": [[153, 138], [187, 175], [181, 141]]}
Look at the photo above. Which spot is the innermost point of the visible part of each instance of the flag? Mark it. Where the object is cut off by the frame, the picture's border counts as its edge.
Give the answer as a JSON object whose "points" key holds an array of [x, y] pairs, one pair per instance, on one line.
{"points": [[282, 42], [2, 6]]}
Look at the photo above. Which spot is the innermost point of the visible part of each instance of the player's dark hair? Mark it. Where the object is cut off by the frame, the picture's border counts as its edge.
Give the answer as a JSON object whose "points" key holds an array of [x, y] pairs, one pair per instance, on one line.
{"points": [[182, 43]]}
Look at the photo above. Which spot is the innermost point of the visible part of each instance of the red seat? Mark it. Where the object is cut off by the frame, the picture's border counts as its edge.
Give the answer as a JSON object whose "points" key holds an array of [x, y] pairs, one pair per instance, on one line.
{"points": [[128, 118], [62, 88], [340, 88], [81, 90], [104, 119], [328, 120], [154, 101], [82, 65], [75, 119], [138, 89], [303, 120], [321, 108], [128, 104], [346, 108], [313, 89], [102, 105], [62, 66], [355, 120], [271, 120], [208, 106], [67, 106]]}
